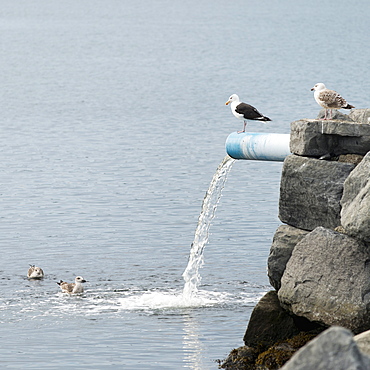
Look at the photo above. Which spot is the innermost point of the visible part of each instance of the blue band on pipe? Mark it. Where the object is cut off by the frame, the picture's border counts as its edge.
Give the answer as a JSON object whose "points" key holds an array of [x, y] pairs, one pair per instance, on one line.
{"points": [[258, 146]]}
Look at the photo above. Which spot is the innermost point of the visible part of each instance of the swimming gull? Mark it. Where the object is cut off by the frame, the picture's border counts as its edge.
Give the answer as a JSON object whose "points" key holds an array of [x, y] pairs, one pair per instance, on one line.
{"points": [[72, 288], [244, 111], [35, 272], [329, 99]]}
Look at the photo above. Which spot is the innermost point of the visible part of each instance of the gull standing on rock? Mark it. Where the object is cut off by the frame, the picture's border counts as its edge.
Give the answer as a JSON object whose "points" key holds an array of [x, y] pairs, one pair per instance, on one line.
{"points": [[244, 111], [329, 99], [35, 272], [72, 288]]}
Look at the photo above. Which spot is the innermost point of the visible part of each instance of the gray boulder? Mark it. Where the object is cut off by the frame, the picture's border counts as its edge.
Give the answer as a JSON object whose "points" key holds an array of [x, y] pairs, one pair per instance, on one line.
{"points": [[355, 214], [335, 137], [363, 342], [336, 115], [310, 192], [351, 158], [334, 349], [285, 239], [360, 115], [327, 280], [269, 323], [242, 358], [306, 138]]}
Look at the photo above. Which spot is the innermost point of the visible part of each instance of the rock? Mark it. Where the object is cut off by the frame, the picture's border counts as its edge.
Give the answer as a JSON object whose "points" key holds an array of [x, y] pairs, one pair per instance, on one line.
{"points": [[261, 357], [310, 192], [242, 358], [360, 115], [334, 349], [336, 115], [306, 138], [271, 339], [327, 280], [277, 355], [340, 229], [253, 358], [285, 239], [355, 214], [350, 158], [316, 138], [363, 342], [269, 323]]}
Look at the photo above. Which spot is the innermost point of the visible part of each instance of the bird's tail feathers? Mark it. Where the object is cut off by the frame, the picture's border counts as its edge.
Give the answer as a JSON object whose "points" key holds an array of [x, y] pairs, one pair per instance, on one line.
{"points": [[348, 106], [264, 118]]}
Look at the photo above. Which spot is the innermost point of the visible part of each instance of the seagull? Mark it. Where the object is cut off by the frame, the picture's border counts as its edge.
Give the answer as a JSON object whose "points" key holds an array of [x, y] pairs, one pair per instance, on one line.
{"points": [[329, 99], [244, 111], [35, 272], [72, 288]]}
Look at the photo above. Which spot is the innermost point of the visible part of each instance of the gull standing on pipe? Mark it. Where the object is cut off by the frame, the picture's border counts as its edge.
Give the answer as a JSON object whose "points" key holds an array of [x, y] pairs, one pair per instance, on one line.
{"points": [[329, 99], [244, 111]]}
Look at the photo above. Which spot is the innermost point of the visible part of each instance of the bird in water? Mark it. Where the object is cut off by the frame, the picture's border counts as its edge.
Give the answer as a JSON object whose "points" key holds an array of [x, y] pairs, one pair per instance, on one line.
{"points": [[35, 272], [329, 99], [244, 111], [72, 288]]}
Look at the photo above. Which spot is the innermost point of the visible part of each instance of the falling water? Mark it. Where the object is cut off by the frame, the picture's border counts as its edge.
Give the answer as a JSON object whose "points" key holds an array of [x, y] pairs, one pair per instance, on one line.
{"points": [[191, 274]]}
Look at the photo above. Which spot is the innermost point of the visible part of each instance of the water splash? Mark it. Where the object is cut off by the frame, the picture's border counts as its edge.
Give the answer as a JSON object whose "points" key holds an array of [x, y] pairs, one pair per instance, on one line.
{"points": [[191, 274]]}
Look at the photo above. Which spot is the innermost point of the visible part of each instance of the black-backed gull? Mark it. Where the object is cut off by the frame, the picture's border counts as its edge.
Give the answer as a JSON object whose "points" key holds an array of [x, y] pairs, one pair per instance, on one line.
{"points": [[244, 111]]}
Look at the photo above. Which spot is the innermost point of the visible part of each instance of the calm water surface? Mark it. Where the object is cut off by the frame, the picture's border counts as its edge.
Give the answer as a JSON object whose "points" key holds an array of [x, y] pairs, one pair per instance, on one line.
{"points": [[112, 125]]}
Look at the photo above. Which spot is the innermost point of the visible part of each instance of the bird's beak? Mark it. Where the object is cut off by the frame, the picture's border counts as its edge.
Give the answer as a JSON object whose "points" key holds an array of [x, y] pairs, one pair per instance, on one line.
{"points": [[312, 89], [228, 102], [83, 281]]}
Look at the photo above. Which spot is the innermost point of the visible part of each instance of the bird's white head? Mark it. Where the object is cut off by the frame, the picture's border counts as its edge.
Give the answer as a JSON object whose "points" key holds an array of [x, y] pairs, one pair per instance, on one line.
{"points": [[80, 279], [319, 87], [232, 98]]}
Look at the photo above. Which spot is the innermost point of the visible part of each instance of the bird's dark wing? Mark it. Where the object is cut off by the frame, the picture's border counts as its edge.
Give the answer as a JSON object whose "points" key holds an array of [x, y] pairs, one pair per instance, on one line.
{"points": [[248, 111]]}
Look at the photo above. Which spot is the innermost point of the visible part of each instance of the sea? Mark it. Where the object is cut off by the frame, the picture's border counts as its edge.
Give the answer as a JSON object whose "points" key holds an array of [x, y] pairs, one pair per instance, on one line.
{"points": [[112, 125]]}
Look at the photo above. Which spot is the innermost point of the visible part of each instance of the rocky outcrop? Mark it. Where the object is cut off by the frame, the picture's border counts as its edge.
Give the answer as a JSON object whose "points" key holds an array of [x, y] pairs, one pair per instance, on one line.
{"points": [[350, 158], [319, 285], [319, 262], [337, 115], [316, 138], [363, 342], [285, 239], [355, 214], [269, 323], [334, 349], [261, 358], [242, 358], [360, 115], [266, 343], [310, 192]]}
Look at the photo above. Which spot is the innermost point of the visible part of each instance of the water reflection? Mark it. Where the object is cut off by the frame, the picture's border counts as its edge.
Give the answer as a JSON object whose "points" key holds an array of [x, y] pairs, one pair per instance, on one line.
{"points": [[194, 349]]}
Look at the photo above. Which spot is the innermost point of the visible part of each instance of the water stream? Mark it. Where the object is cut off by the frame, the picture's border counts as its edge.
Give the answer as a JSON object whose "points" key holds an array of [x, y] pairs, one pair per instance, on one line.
{"points": [[191, 274]]}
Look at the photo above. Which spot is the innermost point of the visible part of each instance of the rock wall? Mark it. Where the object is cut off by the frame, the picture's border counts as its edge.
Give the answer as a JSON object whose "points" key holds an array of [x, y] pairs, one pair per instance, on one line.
{"points": [[310, 192], [327, 280], [327, 277], [319, 262]]}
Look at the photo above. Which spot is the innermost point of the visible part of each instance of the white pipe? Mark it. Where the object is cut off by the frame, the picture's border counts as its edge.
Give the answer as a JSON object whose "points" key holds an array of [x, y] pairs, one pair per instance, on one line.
{"points": [[258, 146]]}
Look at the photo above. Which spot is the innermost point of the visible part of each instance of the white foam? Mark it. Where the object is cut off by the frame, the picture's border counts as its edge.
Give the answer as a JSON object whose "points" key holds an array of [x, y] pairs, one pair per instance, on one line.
{"points": [[165, 300]]}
